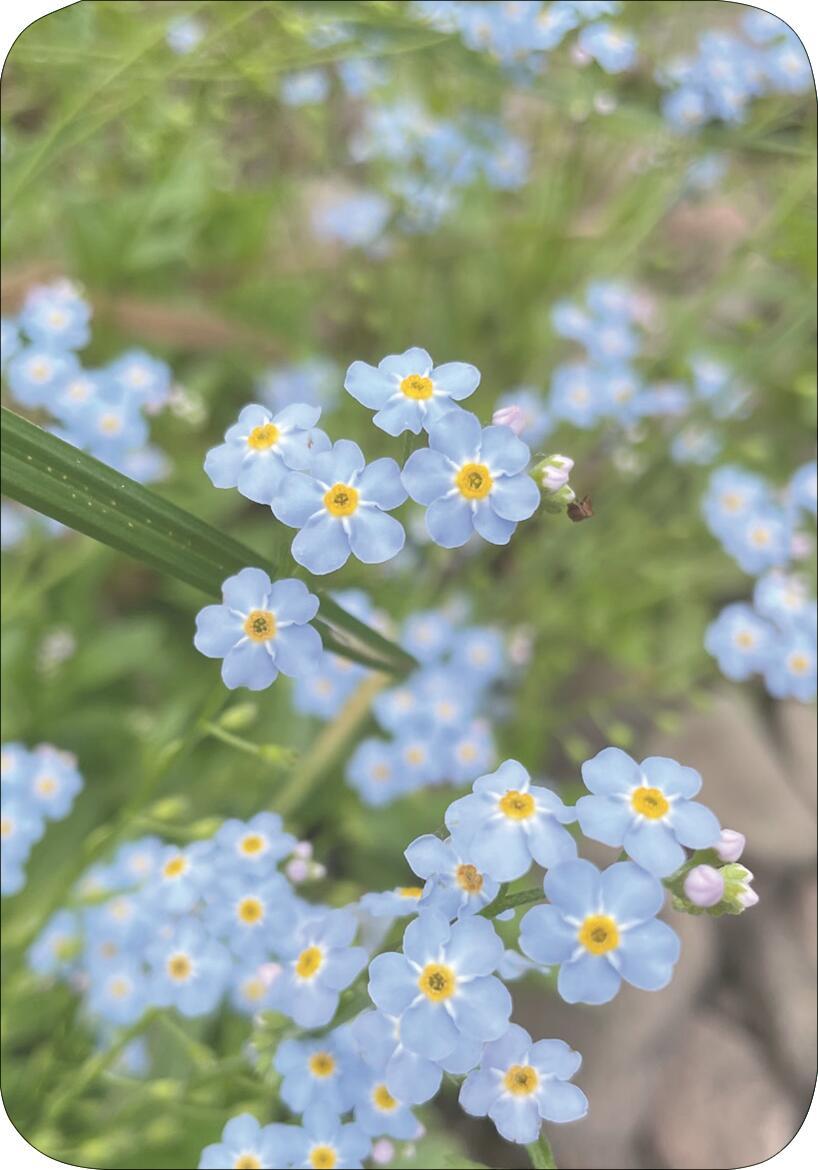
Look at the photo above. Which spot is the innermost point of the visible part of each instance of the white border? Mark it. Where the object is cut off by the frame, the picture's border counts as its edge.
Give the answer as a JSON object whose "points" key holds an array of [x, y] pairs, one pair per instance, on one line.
{"points": [[802, 16]]}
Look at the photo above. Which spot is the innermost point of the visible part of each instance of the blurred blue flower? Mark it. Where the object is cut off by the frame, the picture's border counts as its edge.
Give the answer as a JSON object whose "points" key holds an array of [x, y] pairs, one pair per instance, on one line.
{"points": [[379, 1113], [145, 379], [408, 392], [9, 341], [610, 47], [601, 928], [536, 419], [314, 381], [118, 991], [189, 970], [803, 487], [790, 671], [521, 1084], [576, 394], [246, 911], [739, 640], [307, 87], [261, 628], [36, 374], [246, 1143], [646, 808], [56, 317], [56, 949], [325, 1141], [373, 771], [324, 1071], [356, 219], [254, 846], [319, 963]]}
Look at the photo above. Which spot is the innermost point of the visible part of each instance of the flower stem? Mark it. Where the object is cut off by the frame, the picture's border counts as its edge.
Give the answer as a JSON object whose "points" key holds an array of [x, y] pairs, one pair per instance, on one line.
{"points": [[510, 901], [541, 1154]]}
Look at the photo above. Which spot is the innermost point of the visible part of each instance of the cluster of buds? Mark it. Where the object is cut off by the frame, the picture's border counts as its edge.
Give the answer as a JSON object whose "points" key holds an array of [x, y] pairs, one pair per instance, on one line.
{"points": [[302, 867], [705, 887]]}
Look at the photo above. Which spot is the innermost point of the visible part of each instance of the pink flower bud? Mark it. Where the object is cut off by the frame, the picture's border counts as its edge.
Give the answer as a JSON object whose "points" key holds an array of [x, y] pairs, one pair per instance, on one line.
{"points": [[747, 896], [704, 886], [298, 870], [730, 845], [303, 849], [556, 471], [382, 1152], [510, 416]]}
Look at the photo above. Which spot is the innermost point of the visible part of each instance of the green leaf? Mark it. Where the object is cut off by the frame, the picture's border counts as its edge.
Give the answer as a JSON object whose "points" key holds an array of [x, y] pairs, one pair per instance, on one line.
{"points": [[62, 482]]}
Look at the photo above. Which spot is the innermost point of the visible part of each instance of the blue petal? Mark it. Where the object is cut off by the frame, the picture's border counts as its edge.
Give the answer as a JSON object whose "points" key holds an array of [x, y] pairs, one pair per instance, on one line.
{"points": [[457, 435], [478, 1092], [427, 475], [449, 521], [260, 479], [313, 1006], [515, 497], [392, 983], [694, 824], [588, 979], [427, 1029], [511, 1048], [248, 665], [217, 631], [427, 855], [222, 465], [456, 379], [463, 1058], [249, 417], [298, 498], [342, 966], [243, 1130], [550, 843], [499, 848], [510, 774], [604, 818], [481, 1008], [673, 778], [380, 483], [475, 947], [399, 415], [424, 938], [556, 1057], [575, 887], [291, 601], [629, 893], [491, 526], [411, 361], [297, 650], [611, 771], [653, 845], [546, 937], [647, 953], [561, 1102], [517, 1118], [503, 451], [247, 590], [344, 460], [298, 414], [369, 386], [375, 536], [322, 545], [412, 1078]]}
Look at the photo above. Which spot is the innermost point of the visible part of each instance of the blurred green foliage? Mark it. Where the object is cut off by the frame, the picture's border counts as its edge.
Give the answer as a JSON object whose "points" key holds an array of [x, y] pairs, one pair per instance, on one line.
{"points": [[181, 183]]}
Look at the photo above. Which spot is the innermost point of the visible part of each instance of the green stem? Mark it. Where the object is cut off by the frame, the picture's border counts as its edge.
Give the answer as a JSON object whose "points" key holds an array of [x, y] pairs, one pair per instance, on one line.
{"points": [[510, 901], [541, 1154], [271, 753]]}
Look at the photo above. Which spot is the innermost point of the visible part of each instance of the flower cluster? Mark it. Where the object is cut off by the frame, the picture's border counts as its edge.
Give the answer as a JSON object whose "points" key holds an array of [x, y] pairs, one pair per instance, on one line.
{"points": [[776, 635], [729, 71], [36, 786], [523, 34], [104, 411]]}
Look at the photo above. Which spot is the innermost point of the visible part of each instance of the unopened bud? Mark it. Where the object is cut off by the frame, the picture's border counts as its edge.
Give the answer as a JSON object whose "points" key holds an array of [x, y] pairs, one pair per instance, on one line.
{"points": [[297, 870], [704, 886], [510, 416], [738, 893], [239, 717], [303, 849], [559, 501], [382, 1152], [730, 845], [555, 472]]}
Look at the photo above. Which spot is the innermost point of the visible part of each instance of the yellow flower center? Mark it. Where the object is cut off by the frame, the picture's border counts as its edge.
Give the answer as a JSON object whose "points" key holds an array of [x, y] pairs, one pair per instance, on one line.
{"points": [[650, 803], [437, 982], [6, 827], [415, 755], [383, 1099], [46, 786], [745, 639], [119, 988], [250, 911], [521, 1080], [179, 968], [260, 625], [599, 934], [760, 537], [466, 753], [469, 878], [322, 1064], [247, 1162], [798, 663], [309, 963], [252, 843], [110, 424], [341, 500], [410, 891], [264, 437], [381, 772], [474, 481], [175, 866], [518, 806], [417, 387], [323, 1158], [732, 501]]}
